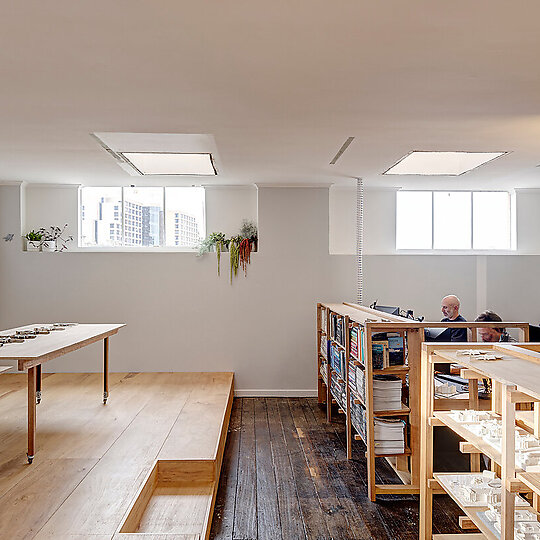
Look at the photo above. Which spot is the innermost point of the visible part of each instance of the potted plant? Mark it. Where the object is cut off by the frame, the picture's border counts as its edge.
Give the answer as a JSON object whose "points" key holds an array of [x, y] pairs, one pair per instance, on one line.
{"points": [[249, 230], [54, 239], [33, 241]]}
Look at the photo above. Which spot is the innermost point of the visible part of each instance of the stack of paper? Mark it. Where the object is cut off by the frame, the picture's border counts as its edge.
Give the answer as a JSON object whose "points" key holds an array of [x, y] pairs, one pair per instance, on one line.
{"points": [[389, 436], [386, 393]]}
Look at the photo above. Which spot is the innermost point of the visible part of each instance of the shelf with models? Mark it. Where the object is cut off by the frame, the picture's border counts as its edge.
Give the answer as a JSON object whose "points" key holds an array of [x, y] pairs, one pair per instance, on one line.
{"points": [[358, 355], [512, 446]]}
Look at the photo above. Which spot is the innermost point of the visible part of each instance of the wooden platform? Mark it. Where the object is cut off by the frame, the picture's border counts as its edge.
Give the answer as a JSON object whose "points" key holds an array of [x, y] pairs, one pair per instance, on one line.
{"points": [[95, 460]]}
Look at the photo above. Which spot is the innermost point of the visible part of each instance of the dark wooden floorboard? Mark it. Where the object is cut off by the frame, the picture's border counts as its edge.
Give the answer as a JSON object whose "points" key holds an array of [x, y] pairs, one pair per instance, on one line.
{"points": [[245, 507], [268, 517], [312, 513], [336, 520], [223, 522], [286, 476], [292, 524]]}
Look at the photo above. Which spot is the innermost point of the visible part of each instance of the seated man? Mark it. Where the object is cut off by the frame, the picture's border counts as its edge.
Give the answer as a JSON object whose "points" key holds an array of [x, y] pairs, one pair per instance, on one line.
{"points": [[450, 309], [492, 335]]}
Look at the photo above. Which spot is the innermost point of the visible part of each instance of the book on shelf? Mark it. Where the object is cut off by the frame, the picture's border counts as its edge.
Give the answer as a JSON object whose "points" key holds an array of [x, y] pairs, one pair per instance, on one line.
{"points": [[360, 387], [337, 359], [396, 354], [379, 354], [353, 341], [387, 350], [387, 393], [323, 348], [337, 330], [358, 419], [323, 319]]}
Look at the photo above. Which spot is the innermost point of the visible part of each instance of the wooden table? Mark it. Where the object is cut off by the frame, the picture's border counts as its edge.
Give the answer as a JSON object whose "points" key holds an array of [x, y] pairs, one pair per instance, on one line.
{"points": [[34, 352]]}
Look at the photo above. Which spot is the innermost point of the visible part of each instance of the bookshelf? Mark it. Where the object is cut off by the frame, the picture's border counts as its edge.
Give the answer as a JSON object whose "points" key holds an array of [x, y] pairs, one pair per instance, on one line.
{"points": [[510, 438], [351, 356]]}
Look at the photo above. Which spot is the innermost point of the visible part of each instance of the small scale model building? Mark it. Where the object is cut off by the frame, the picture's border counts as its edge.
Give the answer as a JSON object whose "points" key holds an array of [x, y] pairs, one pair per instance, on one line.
{"points": [[489, 428]]}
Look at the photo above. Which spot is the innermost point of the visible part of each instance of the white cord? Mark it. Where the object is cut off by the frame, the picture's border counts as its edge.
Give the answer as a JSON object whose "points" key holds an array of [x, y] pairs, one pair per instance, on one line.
{"points": [[359, 239]]}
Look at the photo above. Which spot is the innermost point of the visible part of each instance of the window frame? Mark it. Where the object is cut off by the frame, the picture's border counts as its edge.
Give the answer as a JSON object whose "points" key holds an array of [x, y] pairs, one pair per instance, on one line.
{"points": [[145, 249], [512, 240]]}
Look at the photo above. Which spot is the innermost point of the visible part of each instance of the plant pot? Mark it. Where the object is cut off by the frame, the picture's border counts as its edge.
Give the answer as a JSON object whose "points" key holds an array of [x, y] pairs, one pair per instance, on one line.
{"points": [[33, 246], [48, 245]]}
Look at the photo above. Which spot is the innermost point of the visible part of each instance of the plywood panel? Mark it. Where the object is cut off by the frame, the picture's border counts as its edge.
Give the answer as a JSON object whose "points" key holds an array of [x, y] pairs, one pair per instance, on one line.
{"points": [[124, 439]]}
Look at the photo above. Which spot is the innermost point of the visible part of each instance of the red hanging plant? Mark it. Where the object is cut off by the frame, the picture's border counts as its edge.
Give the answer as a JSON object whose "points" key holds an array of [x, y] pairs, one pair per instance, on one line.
{"points": [[244, 254]]}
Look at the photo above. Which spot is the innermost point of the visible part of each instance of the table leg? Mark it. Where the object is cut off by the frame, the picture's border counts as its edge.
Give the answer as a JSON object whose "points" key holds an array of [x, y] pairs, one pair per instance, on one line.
{"points": [[38, 384], [105, 370], [31, 413]]}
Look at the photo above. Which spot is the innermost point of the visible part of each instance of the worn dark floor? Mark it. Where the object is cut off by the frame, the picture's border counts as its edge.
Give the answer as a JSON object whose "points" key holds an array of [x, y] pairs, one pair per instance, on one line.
{"points": [[285, 476]]}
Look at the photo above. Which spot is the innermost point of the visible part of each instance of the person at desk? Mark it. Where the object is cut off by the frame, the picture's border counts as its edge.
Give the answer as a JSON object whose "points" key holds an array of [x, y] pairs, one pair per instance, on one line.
{"points": [[450, 309], [492, 335]]}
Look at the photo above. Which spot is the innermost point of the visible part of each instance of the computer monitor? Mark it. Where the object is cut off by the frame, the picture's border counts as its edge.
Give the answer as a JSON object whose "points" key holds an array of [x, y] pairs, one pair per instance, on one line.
{"points": [[386, 309], [534, 332]]}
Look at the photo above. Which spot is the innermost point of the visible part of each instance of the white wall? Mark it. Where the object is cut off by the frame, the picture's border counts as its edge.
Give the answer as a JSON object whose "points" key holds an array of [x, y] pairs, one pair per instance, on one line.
{"points": [[504, 283], [180, 316]]}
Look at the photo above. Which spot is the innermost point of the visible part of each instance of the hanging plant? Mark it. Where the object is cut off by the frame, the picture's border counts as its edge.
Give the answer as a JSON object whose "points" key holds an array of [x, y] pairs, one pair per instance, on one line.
{"points": [[234, 254], [244, 254], [217, 241]]}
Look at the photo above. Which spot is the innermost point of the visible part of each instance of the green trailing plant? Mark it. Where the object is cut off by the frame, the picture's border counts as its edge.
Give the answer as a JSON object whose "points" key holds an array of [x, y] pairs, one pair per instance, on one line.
{"points": [[217, 241], [234, 254]]}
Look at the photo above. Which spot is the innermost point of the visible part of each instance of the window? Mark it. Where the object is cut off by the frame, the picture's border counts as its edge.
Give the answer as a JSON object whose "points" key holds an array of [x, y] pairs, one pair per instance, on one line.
{"points": [[414, 220], [453, 220], [144, 217]]}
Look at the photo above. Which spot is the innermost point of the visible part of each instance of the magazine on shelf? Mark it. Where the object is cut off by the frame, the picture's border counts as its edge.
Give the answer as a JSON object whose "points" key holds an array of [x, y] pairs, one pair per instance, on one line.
{"points": [[387, 392]]}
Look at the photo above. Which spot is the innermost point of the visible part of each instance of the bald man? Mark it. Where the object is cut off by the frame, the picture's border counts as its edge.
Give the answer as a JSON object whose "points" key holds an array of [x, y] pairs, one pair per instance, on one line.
{"points": [[450, 309]]}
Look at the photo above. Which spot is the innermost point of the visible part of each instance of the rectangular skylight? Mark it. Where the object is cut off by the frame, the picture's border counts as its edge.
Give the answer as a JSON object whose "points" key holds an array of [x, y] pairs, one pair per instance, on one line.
{"points": [[441, 163], [170, 163]]}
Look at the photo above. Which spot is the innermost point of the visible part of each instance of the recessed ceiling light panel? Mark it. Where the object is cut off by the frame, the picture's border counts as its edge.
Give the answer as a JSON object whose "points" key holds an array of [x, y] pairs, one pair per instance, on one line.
{"points": [[170, 163], [441, 163]]}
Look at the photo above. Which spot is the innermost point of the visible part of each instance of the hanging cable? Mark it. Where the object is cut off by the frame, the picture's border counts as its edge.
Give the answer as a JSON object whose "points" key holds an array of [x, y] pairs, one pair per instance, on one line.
{"points": [[359, 240]]}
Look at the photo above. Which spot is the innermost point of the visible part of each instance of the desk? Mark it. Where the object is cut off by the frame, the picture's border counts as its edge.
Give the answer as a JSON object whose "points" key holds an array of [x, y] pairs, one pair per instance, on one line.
{"points": [[34, 352]]}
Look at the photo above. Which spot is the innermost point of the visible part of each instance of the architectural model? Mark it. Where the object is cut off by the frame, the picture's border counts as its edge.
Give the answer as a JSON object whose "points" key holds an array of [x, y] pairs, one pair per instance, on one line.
{"points": [[489, 428], [477, 489], [479, 355]]}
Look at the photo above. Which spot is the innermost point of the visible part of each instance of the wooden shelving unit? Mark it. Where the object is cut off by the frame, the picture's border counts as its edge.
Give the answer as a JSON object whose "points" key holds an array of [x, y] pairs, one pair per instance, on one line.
{"points": [[335, 386], [516, 379]]}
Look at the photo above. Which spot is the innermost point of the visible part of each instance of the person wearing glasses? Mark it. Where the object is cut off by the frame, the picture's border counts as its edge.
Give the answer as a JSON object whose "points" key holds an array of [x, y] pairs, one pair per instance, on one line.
{"points": [[492, 335]]}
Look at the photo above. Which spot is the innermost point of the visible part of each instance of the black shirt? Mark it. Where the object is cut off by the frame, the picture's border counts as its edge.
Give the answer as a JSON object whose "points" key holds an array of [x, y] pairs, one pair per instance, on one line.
{"points": [[453, 334]]}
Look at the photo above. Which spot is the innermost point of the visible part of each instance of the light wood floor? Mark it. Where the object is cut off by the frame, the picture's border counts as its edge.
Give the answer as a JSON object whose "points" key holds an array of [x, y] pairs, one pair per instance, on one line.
{"points": [[92, 459]]}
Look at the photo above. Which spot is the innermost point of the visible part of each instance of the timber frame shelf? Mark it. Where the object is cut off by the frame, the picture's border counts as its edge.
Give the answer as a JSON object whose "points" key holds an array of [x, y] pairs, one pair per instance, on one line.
{"points": [[406, 463], [515, 379]]}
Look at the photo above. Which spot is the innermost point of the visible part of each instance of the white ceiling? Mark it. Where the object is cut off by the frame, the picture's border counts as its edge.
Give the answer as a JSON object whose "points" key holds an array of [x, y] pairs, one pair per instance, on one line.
{"points": [[280, 85]]}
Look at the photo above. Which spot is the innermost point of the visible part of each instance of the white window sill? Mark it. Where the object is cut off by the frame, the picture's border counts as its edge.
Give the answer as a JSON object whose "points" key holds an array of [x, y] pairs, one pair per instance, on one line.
{"points": [[455, 252]]}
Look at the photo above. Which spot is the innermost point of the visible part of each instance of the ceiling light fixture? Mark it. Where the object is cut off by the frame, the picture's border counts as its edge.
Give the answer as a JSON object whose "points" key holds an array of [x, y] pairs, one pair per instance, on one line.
{"points": [[171, 163], [344, 147], [441, 163]]}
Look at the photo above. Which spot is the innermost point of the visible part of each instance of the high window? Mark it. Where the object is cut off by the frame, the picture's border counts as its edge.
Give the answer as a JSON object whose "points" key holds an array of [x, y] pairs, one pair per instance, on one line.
{"points": [[454, 220], [143, 217]]}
